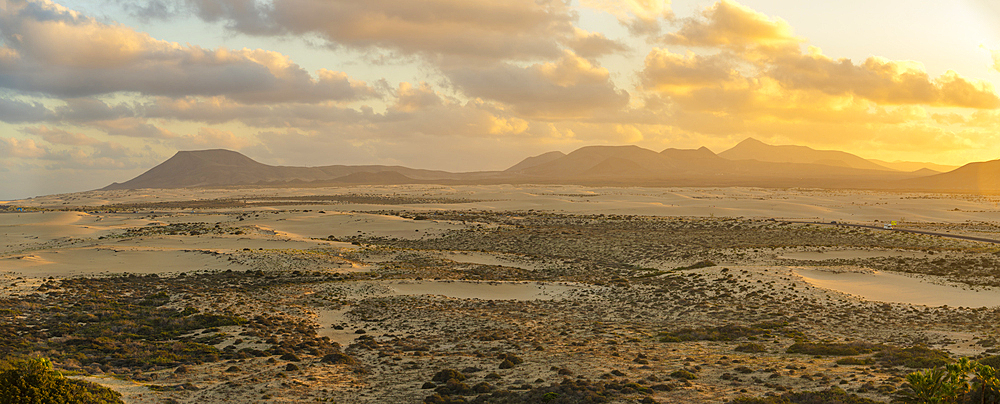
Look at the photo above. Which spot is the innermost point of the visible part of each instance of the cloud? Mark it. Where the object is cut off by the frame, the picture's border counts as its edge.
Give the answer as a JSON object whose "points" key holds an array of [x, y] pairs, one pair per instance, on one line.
{"points": [[60, 137], [151, 9], [882, 80], [641, 17], [570, 87], [56, 51], [91, 109], [412, 99], [14, 111], [211, 138], [12, 147], [217, 110], [132, 127], [735, 27], [594, 44], [486, 29], [664, 70], [750, 78]]}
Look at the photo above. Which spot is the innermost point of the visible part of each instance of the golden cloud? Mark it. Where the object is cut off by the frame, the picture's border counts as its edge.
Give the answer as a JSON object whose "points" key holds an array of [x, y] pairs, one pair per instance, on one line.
{"points": [[489, 29], [52, 50], [12, 147], [640, 16], [881, 80], [735, 27], [569, 88]]}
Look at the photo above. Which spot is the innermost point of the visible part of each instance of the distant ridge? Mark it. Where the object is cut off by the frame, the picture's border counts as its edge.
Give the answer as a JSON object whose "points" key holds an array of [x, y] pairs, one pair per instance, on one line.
{"points": [[913, 166], [536, 160], [591, 165], [217, 167], [981, 176], [753, 149]]}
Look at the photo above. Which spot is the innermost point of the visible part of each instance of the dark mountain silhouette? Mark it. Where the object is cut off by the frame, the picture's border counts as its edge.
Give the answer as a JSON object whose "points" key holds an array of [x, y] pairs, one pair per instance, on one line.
{"points": [[753, 149], [381, 177], [536, 160], [981, 176], [912, 166], [638, 166], [205, 168], [592, 165]]}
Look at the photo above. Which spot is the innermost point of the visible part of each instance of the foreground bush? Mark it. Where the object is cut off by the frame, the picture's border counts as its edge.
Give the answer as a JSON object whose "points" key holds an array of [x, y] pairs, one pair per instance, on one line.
{"points": [[952, 384], [31, 381]]}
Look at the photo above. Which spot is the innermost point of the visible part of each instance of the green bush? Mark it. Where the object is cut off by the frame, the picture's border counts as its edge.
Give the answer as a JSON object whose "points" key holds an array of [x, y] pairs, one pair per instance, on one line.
{"points": [[31, 381], [952, 384]]}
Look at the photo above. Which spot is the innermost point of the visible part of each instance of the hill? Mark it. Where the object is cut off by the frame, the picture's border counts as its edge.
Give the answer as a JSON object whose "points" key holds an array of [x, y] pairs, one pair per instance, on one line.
{"points": [[976, 177], [753, 149], [591, 165], [913, 166], [208, 168]]}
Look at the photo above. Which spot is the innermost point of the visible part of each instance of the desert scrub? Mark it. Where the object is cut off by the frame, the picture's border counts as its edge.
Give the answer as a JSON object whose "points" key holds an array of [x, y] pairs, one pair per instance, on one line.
{"points": [[751, 347], [124, 323], [834, 348], [831, 396], [918, 357], [854, 361], [33, 380], [724, 333], [566, 392]]}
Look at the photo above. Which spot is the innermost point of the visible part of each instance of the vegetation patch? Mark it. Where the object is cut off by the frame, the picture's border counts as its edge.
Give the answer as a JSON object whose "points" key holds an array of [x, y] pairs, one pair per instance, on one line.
{"points": [[567, 392], [830, 396], [34, 381], [729, 332], [918, 357], [834, 348]]}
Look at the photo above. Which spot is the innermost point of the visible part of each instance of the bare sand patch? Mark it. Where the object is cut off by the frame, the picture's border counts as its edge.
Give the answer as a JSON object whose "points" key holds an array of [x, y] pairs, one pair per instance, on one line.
{"points": [[480, 258], [107, 261], [341, 224], [896, 288], [842, 205], [848, 254]]}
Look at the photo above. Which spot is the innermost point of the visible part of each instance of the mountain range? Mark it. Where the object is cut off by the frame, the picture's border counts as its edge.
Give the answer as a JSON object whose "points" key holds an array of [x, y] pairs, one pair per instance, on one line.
{"points": [[749, 163]]}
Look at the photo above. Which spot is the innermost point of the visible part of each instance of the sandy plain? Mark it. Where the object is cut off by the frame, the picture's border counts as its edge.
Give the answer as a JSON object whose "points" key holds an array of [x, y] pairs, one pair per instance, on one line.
{"points": [[364, 294]]}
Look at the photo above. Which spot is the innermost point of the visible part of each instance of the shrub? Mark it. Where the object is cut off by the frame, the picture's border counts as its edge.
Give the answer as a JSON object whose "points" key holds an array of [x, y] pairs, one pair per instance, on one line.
{"points": [[856, 361], [34, 381], [919, 357], [338, 358], [951, 384], [444, 375], [683, 374]]}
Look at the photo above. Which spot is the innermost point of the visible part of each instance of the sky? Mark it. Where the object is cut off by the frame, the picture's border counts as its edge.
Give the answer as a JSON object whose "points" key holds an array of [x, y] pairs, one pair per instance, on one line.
{"points": [[98, 91]]}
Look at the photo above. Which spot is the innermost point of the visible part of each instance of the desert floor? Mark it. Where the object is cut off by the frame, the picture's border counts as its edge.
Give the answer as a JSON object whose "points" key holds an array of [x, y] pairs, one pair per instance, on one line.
{"points": [[365, 294]]}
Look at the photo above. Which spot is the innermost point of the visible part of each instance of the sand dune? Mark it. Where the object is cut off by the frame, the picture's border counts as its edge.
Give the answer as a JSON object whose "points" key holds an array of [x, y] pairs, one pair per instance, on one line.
{"points": [[898, 288]]}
